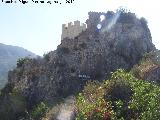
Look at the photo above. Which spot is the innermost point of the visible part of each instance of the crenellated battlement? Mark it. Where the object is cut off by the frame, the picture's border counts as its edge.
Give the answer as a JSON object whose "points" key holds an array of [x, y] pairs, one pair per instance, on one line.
{"points": [[72, 30]]}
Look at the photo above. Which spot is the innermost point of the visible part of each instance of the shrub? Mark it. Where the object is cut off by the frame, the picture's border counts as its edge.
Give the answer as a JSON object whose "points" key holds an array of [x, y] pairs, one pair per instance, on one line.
{"points": [[144, 22], [126, 97], [93, 90], [118, 89], [91, 104], [21, 61], [12, 104], [119, 92], [145, 100], [39, 111], [46, 56], [97, 110]]}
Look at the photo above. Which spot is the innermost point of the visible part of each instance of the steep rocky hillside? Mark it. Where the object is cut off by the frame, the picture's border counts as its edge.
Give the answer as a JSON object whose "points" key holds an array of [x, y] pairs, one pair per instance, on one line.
{"points": [[8, 59], [149, 68], [119, 41]]}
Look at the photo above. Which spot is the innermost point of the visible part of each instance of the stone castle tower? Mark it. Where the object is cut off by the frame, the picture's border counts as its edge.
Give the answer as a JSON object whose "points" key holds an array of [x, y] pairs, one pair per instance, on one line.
{"points": [[72, 30]]}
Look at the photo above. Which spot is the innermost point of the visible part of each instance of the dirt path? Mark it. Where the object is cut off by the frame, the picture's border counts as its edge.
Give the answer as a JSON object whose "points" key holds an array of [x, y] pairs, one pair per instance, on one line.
{"points": [[67, 109]]}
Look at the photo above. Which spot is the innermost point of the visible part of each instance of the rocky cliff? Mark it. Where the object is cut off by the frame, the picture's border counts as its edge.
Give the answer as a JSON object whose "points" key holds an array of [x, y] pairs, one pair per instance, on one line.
{"points": [[118, 41], [149, 68]]}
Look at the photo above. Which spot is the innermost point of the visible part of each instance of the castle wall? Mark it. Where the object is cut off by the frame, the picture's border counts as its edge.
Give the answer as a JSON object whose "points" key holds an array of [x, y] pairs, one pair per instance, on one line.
{"points": [[72, 30]]}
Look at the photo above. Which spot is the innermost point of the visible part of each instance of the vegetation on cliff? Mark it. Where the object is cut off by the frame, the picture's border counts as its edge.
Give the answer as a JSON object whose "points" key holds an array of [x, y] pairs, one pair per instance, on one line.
{"points": [[123, 97]]}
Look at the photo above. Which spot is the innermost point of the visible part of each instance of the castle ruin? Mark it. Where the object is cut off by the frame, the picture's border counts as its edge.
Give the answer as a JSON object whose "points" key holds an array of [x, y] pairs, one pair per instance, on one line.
{"points": [[72, 30]]}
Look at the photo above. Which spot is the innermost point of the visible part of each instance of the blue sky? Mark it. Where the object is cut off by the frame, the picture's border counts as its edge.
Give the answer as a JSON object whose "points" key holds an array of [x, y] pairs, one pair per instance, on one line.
{"points": [[37, 27]]}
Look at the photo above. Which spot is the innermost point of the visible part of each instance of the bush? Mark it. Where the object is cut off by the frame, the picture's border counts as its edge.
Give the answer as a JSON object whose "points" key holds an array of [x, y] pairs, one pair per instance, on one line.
{"points": [[12, 104], [143, 22], [46, 56], [145, 101], [39, 111], [126, 97], [97, 110], [118, 90], [91, 104], [21, 61]]}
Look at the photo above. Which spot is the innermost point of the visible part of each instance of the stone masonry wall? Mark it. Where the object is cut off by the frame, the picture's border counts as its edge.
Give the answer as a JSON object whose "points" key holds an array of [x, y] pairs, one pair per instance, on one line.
{"points": [[72, 30]]}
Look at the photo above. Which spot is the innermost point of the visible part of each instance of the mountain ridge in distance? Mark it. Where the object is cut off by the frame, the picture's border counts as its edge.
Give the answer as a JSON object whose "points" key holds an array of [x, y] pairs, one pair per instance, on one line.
{"points": [[8, 58]]}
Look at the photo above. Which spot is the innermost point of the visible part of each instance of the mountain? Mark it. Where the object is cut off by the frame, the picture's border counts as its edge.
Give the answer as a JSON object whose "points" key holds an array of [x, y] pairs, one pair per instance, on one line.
{"points": [[8, 59], [119, 41]]}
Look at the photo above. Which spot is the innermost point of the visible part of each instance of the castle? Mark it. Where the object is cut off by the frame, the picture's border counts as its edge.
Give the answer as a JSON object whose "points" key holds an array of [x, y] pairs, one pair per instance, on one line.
{"points": [[72, 30]]}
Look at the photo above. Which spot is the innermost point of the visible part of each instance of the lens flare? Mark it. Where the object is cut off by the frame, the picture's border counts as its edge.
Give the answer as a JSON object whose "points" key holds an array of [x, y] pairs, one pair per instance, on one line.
{"points": [[99, 26], [112, 22], [102, 17]]}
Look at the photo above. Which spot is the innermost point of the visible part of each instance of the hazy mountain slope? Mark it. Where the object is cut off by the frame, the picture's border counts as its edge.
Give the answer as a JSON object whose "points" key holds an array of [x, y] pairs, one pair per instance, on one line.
{"points": [[8, 57]]}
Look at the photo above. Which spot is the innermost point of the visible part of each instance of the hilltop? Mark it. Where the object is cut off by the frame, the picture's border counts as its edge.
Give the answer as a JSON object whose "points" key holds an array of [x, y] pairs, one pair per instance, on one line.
{"points": [[119, 41]]}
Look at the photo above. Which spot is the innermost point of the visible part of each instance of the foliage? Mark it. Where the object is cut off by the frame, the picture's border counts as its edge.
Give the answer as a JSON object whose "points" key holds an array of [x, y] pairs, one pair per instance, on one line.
{"points": [[145, 101], [12, 104], [21, 61], [123, 10], [126, 17], [118, 88], [46, 56], [121, 97], [93, 90], [39, 111], [91, 104], [143, 22], [119, 91]]}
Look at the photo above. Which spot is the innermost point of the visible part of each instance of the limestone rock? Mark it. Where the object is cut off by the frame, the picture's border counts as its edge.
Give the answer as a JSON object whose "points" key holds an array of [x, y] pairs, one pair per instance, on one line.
{"points": [[153, 75]]}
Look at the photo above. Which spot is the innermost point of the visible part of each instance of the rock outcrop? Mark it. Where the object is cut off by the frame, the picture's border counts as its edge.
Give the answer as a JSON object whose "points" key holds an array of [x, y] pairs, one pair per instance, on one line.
{"points": [[119, 41], [149, 68], [153, 75]]}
